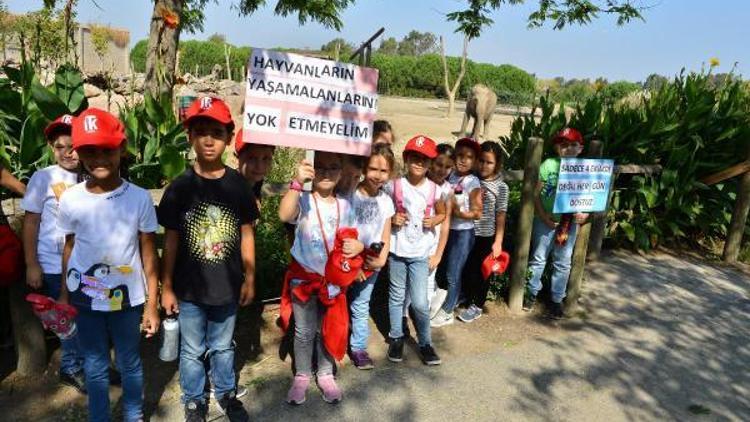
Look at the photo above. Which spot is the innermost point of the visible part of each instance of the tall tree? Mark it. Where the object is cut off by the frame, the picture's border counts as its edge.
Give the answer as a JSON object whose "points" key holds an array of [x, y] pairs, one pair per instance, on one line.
{"points": [[417, 43], [474, 19], [388, 46], [170, 17]]}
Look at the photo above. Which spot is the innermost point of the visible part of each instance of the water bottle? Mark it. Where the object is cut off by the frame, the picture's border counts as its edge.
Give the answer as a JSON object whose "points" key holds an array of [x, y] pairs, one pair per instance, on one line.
{"points": [[170, 339]]}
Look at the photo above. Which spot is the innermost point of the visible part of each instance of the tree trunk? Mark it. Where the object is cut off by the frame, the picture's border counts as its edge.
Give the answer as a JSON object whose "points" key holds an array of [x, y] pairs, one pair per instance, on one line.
{"points": [[450, 92], [28, 334], [163, 42]]}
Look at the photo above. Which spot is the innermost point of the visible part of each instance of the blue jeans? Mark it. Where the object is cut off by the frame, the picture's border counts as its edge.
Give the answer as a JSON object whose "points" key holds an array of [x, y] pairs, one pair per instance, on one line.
{"points": [[95, 329], [206, 328], [543, 243], [457, 251], [359, 306], [409, 273], [71, 360]]}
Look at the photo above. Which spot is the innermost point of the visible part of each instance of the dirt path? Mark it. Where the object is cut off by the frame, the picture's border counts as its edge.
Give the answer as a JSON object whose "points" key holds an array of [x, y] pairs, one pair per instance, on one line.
{"points": [[657, 338]]}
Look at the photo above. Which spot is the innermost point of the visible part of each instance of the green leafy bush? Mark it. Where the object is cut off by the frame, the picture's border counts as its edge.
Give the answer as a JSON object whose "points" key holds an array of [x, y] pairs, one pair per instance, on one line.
{"points": [[691, 126], [27, 107], [203, 54]]}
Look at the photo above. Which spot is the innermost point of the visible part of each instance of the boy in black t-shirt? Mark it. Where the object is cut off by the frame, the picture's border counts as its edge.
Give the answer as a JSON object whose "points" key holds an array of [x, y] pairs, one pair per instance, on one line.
{"points": [[209, 259]]}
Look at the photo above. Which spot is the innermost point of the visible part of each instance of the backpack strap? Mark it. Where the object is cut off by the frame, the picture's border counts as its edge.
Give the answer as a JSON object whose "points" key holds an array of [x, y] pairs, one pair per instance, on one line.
{"points": [[398, 195], [431, 198]]}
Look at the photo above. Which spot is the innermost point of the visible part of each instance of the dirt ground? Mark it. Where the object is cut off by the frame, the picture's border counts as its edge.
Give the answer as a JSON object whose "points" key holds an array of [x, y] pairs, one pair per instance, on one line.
{"points": [[657, 337]]}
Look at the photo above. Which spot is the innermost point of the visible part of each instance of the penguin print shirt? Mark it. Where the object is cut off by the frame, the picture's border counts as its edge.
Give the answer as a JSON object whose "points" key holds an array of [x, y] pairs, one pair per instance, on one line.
{"points": [[104, 272]]}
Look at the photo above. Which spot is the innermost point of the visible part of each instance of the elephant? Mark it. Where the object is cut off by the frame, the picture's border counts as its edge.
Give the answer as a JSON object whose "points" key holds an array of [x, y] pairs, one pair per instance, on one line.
{"points": [[480, 106]]}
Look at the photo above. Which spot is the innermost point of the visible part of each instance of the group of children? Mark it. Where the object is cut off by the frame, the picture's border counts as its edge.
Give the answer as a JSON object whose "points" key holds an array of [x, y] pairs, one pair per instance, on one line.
{"points": [[89, 237]]}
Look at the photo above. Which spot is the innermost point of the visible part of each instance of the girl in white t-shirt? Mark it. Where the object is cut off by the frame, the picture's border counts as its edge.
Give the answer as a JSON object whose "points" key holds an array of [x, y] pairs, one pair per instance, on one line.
{"points": [[419, 209], [373, 210], [109, 263], [43, 240], [466, 207], [318, 215]]}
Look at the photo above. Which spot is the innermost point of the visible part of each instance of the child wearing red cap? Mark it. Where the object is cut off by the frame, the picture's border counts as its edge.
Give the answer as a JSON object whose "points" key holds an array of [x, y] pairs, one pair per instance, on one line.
{"points": [[43, 240], [254, 162], [209, 259], [488, 229], [466, 207], [419, 209], [317, 302], [109, 263], [567, 143], [373, 209]]}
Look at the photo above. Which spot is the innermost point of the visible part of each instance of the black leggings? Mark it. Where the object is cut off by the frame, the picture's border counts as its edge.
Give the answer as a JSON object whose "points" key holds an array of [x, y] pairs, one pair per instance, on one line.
{"points": [[476, 286]]}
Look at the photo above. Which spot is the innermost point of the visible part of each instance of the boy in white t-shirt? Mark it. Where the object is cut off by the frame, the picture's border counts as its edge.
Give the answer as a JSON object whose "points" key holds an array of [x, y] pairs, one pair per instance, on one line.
{"points": [[419, 209], [44, 241]]}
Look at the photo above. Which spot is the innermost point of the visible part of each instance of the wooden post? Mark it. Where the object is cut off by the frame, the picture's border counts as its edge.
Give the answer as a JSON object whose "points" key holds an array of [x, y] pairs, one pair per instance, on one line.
{"points": [[599, 226], [739, 217], [520, 259], [578, 261], [28, 334]]}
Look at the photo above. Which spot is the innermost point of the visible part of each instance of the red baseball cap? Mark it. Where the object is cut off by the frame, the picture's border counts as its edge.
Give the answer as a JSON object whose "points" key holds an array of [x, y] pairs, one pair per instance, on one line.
{"points": [[339, 270], [492, 265], [98, 128], [209, 107], [423, 145], [63, 122], [568, 134], [239, 145], [471, 143]]}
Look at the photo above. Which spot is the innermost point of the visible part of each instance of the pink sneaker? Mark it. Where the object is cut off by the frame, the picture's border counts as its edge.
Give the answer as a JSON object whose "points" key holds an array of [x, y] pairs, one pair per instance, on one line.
{"points": [[296, 394], [331, 391]]}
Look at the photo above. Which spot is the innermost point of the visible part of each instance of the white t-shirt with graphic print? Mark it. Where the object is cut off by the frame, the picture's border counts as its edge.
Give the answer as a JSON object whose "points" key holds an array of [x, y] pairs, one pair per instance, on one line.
{"points": [[370, 215], [468, 184], [105, 272], [412, 240], [308, 248], [43, 197]]}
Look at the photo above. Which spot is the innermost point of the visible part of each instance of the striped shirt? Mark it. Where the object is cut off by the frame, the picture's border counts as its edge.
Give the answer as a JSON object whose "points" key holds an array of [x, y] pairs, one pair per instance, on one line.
{"points": [[494, 201]]}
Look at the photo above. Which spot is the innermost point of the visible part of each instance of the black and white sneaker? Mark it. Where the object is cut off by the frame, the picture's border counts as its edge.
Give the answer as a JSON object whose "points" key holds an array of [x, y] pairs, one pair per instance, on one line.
{"points": [[76, 380], [230, 406], [396, 350], [528, 303], [428, 355], [195, 411], [556, 310], [241, 391]]}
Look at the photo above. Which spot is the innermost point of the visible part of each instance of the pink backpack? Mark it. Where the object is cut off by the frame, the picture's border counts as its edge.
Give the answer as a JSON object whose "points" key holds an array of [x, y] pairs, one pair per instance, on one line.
{"points": [[398, 196]]}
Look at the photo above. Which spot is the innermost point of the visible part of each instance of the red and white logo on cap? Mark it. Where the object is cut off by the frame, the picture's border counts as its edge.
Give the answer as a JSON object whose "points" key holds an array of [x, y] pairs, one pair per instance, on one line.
{"points": [[206, 103], [345, 266], [90, 124], [420, 141], [67, 119], [495, 267]]}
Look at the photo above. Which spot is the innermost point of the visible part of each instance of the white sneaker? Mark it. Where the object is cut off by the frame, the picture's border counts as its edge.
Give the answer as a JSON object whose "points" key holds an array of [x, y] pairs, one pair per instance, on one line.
{"points": [[437, 301], [441, 319]]}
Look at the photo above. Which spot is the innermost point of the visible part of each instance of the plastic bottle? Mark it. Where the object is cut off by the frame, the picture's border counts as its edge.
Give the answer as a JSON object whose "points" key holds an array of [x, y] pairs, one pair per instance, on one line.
{"points": [[170, 339]]}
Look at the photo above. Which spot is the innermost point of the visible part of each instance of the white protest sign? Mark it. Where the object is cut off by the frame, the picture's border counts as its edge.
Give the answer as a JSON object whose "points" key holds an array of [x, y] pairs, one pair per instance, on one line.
{"points": [[304, 102]]}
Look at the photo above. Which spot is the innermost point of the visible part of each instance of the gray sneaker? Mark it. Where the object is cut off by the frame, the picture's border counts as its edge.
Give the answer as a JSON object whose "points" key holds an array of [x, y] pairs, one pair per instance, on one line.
{"points": [[470, 314], [442, 318]]}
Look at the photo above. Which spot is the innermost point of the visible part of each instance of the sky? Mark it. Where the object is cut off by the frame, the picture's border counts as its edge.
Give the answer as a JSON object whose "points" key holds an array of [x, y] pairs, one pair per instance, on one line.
{"points": [[675, 34]]}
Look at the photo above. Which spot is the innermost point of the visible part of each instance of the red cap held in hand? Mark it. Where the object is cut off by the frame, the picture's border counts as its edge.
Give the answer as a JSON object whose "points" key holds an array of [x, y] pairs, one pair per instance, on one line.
{"points": [[492, 265], [97, 128], [62, 123], [568, 134], [342, 271], [211, 108], [423, 145]]}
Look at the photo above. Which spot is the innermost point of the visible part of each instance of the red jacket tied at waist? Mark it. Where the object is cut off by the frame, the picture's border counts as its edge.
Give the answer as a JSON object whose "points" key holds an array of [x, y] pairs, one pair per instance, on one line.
{"points": [[335, 324]]}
